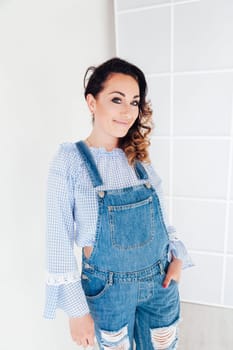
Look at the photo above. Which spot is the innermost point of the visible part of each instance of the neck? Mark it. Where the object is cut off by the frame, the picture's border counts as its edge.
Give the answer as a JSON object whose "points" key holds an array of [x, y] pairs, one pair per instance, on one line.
{"points": [[94, 141]]}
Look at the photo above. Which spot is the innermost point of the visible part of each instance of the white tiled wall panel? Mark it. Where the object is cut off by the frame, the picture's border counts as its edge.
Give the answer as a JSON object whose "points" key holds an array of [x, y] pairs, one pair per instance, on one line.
{"points": [[230, 233], [186, 50], [231, 194], [145, 38], [132, 4], [203, 104], [200, 168], [159, 94], [201, 223], [184, 1], [229, 282], [202, 282], [161, 163], [203, 35]]}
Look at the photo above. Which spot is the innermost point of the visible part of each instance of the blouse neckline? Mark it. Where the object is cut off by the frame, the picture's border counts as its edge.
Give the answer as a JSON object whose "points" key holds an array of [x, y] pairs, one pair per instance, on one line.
{"points": [[102, 150]]}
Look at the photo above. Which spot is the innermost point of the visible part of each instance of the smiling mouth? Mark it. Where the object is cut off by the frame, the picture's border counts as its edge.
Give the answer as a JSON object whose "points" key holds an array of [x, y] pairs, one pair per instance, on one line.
{"points": [[124, 123]]}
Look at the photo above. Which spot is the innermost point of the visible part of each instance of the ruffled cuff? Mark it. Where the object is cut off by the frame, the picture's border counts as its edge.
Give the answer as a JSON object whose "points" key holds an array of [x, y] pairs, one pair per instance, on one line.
{"points": [[179, 251], [66, 295]]}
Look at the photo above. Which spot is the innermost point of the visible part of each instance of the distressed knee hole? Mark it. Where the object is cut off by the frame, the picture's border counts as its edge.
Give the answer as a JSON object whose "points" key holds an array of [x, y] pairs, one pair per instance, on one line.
{"points": [[162, 338], [115, 340]]}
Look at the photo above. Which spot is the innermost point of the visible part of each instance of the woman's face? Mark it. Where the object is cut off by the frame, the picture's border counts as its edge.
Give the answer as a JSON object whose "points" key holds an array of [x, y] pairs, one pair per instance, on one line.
{"points": [[116, 107]]}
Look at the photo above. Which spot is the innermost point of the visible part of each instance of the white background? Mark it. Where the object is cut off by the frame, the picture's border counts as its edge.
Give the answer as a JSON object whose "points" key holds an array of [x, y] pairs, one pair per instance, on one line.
{"points": [[45, 48]]}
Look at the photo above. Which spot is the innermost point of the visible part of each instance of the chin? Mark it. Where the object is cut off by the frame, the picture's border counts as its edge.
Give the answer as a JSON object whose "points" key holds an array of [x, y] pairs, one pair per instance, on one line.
{"points": [[122, 134]]}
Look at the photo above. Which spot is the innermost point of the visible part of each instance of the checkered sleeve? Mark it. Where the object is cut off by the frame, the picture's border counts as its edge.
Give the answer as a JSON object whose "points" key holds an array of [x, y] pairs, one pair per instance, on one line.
{"points": [[63, 288], [176, 246]]}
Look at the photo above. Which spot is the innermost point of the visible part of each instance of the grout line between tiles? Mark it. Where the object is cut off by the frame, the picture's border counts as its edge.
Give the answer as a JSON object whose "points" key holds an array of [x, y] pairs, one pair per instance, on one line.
{"points": [[206, 304], [210, 253], [228, 197], [116, 27], [190, 138], [184, 2], [171, 149], [143, 8], [199, 199], [152, 7], [191, 72]]}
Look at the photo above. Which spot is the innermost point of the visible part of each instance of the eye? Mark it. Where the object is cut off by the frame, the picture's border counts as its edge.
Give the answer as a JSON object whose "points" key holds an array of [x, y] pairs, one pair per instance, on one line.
{"points": [[135, 103], [116, 100]]}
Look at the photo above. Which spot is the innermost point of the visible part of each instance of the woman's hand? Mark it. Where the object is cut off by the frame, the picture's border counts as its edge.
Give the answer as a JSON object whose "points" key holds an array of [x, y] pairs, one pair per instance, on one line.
{"points": [[82, 330], [173, 272]]}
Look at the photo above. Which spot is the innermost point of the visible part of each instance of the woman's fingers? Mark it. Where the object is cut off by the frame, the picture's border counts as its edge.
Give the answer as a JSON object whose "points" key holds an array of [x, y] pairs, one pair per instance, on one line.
{"points": [[82, 330], [173, 272], [166, 281], [86, 342], [91, 341]]}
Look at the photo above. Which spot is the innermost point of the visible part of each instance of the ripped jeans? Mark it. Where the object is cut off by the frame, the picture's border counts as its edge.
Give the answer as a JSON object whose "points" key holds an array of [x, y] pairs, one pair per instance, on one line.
{"points": [[133, 307]]}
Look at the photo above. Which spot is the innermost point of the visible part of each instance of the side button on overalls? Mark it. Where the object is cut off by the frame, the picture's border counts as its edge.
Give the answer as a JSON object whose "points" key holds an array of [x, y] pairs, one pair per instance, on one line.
{"points": [[122, 279]]}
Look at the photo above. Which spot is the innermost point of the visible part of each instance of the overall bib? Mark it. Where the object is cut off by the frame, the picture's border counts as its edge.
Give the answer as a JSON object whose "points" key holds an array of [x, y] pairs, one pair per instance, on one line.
{"points": [[122, 278]]}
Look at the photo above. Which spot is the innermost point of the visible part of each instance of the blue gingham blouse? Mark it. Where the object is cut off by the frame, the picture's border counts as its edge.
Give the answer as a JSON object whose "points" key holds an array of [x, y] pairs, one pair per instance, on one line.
{"points": [[72, 220]]}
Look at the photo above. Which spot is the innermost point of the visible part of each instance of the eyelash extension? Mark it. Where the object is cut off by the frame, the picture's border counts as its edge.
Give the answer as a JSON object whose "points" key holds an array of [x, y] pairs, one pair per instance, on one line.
{"points": [[115, 99]]}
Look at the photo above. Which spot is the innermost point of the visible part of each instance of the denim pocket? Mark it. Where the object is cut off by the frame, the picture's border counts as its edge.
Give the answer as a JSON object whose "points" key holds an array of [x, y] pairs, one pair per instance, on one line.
{"points": [[93, 286], [174, 282], [132, 225]]}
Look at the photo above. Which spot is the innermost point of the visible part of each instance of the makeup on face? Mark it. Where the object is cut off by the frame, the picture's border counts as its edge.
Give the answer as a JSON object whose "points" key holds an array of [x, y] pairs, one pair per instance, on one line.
{"points": [[116, 107]]}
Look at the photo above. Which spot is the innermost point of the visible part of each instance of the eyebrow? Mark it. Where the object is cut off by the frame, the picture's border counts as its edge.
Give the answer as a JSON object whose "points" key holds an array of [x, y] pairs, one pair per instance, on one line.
{"points": [[121, 93]]}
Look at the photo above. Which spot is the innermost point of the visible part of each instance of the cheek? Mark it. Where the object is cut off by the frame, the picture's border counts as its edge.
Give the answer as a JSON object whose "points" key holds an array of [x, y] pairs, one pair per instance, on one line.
{"points": [[135, 112], [107, 109]]}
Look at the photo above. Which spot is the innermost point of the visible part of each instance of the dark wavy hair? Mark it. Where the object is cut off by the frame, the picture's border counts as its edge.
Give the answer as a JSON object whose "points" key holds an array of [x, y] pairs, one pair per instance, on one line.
{"points": [[136, 142]]}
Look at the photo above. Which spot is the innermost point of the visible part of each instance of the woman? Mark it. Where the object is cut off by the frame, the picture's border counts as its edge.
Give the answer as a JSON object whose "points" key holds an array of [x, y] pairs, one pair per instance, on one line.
{"points": [[105, 196]]}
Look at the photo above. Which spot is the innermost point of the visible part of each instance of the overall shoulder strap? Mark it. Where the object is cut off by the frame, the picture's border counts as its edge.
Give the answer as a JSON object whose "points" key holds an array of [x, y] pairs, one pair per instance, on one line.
{"points": [[140, 170], [90, 163]]}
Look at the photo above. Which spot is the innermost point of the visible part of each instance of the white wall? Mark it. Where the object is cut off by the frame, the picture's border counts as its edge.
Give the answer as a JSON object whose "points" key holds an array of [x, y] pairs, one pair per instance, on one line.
{"points": [[45, 47], [185, 48]]}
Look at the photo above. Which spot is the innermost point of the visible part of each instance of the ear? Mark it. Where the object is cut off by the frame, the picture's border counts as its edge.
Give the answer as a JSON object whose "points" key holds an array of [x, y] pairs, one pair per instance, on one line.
{"points": [[91, 102]]}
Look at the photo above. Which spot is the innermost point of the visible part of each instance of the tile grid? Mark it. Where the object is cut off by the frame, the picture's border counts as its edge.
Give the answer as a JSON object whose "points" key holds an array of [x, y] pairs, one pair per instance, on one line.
{"points": [[171, 139]]}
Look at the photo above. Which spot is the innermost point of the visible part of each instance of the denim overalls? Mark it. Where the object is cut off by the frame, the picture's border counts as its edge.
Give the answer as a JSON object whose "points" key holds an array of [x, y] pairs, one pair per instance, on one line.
{"points": [[122, 278]]}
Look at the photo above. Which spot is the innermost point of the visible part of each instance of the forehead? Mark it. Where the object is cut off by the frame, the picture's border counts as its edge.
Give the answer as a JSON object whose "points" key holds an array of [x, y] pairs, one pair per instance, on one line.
{"points": [[121, 82]]}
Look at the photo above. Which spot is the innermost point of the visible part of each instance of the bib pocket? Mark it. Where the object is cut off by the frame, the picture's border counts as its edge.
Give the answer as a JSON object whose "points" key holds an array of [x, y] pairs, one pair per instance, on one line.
{"points": [[132, 225]]}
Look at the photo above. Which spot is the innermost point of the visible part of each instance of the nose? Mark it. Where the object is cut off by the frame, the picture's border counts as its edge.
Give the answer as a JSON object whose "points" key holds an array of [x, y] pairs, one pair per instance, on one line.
{"points": [[126, 110]]}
